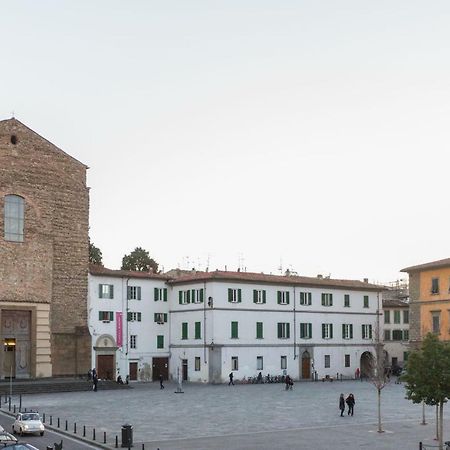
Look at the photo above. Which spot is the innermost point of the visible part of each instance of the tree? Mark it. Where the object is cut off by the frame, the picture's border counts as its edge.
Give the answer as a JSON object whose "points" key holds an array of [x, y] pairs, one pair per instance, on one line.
{"points": [[95, 255], [428, 377], [139, 261]]}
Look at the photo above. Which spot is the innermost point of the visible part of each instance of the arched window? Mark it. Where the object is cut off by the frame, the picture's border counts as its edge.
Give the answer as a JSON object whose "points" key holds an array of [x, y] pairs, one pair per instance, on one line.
{"points": [[14, 218]]}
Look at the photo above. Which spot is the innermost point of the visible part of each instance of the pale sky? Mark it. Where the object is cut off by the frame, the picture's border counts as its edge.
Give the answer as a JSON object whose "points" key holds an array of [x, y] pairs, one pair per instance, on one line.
{"points": [[308, 134]]}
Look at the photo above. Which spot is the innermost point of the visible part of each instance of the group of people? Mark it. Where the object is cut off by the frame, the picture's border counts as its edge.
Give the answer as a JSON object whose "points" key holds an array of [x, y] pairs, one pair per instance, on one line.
{"points": [[350, 400]]}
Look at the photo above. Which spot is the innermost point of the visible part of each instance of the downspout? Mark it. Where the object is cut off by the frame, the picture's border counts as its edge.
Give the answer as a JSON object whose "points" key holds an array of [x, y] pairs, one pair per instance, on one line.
{"points": [[295, 330], [204, 322]]}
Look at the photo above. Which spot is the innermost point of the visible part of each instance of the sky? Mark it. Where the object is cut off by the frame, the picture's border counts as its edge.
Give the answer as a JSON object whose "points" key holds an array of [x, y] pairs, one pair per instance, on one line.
{"points": [[264, 135]]}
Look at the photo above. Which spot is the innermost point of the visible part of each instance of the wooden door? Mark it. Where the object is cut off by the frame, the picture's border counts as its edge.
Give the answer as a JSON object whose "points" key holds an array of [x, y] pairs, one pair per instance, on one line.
{"points": [[133, 371], [306, 367], [160, 367], [105, 367], [185, 369]]}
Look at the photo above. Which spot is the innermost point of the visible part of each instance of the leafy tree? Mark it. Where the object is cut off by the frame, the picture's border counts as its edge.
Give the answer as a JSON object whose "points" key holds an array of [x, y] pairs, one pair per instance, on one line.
{"points": [[95, 255], [139, 261], [428, 376]]}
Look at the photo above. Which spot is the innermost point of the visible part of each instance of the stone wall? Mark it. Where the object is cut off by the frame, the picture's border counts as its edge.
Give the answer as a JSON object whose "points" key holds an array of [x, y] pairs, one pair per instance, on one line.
{"points": [[51, 265], [414, 309]]}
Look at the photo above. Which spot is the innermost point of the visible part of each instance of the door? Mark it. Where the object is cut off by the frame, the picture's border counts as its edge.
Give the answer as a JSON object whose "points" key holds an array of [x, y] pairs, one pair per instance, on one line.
{"points": [[306, 365], [160, 367], [133, 371], [185, 369], [105, 367], [9, 358]]}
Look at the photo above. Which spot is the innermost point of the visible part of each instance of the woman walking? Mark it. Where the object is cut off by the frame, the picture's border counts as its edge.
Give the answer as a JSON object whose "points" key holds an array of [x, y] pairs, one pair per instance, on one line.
{"points": [[342, 404]]}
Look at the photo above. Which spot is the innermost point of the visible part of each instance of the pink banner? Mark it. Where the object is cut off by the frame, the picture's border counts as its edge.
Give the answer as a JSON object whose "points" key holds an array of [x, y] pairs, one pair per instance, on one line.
{"points": [[119, 329]]}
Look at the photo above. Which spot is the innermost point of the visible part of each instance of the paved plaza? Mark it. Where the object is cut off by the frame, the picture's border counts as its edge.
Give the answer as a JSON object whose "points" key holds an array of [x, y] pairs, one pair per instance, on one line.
{"points": [[247, 416]]}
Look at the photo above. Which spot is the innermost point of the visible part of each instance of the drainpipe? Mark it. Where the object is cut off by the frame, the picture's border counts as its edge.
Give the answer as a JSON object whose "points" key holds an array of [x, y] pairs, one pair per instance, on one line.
{"points": [[295, 330], [204, 321]]}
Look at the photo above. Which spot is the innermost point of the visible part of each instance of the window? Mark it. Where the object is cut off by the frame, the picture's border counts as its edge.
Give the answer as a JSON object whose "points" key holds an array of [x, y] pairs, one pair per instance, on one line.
{"points": [[160, 318], [347, 331], [405, 356], [159, 341], [198, 330], [259, 330], [305, 298], [327, 299], [406, 335], [346, 360], [284, 362], [234, 330], [367, 331], [14, 218], [347, 300], [387, 316], [234, 295], [184, 330], [190, 296], [327, 361], [397, 335], [283, 297], [133, 341], [160, 294], [394, 361], [396, 316], [197, 295], [134, 316], [234, 363], [259, 296], [197, 364], [387, 335], [134, 293], [327, 331], [366, 301], [436, 322], [259, 363], [105, 291], [106, 316], [405, 316], [283, 330], [435, 285], [305, 330]]}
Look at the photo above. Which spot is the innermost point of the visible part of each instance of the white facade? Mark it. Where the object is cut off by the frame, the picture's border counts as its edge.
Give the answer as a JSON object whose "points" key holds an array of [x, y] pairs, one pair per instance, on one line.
{"points": [[128, 321], [278, 346]]}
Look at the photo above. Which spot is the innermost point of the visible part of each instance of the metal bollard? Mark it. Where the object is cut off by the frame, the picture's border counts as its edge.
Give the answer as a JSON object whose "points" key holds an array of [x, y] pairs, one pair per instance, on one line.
{"points": [[143, 447], [51, 420], [20, 402], [104, 437], [66, 425], [9, 404], [58, 422], [75, 428], [84, 430], [420, 446], [93, 434], [43, 417], [117, 441], [14, 409]]}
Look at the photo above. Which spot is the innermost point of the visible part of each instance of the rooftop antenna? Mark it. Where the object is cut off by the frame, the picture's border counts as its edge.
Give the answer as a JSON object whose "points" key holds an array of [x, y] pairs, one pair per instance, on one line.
{"points": [[12, 115], [240, 261], [281, 266]]}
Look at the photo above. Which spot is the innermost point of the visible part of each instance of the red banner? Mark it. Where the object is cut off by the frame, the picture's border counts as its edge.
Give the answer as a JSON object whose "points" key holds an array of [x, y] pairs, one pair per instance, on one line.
{"points": [[119, 329]]}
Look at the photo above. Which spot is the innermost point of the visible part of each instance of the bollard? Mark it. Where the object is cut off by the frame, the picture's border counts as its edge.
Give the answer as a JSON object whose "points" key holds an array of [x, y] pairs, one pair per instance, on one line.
{"points": [[9, 404], [51, 420], [58, 422], [43, 417], [84, 430], [104, 437], [0, 401], [143, 446], [93, 434], [20, 402], [117, 441], [75, 428], [420, 446], [14, 409], [66, 425]]}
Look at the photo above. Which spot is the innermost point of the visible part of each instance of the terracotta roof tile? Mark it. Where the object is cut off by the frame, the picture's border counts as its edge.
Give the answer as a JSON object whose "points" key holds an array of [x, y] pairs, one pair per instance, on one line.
{"points": [[428, 266], [95, 269]]}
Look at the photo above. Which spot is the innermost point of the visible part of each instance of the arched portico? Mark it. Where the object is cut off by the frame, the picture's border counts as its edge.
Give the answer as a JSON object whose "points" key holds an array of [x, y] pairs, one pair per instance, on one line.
{"points": [[105, 357]]}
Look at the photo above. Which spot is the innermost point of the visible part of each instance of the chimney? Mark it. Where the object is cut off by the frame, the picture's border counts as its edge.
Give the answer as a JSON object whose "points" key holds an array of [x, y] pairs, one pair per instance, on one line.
{"points": [[366, 280], [319, 276]]}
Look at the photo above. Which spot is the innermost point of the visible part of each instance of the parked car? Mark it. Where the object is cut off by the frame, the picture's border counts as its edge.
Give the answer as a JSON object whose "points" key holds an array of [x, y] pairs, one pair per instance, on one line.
{"points": [[27, 423], [6, 438], [20, 446]]}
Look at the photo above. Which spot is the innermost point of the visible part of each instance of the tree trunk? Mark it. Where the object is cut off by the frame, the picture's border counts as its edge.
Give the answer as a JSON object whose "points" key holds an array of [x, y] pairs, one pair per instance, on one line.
{"points": [[380, 429], [441, 421]]}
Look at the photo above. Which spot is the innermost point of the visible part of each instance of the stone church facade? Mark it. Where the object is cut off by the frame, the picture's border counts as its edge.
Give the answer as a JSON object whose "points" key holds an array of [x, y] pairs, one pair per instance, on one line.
{"points": [[44, 246]]}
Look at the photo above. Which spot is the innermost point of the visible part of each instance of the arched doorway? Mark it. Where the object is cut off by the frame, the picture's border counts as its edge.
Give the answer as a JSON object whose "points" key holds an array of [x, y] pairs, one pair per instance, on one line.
{"points": [[366, 365], [306, 365], [105, 350]]}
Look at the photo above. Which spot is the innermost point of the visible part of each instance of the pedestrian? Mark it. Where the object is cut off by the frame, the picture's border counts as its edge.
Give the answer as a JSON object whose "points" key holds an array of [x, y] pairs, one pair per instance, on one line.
{"points": [[94, 380], [350, 403], [161, 379], [231, 379], [342, 404], [289, 382], [357, 373], [89, 374]]}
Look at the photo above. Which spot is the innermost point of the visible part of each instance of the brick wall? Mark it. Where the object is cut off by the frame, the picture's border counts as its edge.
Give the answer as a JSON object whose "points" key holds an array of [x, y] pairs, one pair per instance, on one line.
{"points": [[51, 265], [414, 309]]}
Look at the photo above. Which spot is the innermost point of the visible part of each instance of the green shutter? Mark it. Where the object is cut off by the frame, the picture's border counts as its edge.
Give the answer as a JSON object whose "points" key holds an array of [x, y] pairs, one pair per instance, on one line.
{"points": [[370, 331], [309, 298], [155, 317], [128, 316], [302, 298], [201, 295], [184, 330], [239, 296], [230, 295], [288, 330], [165, 317], [156, 294], [278, 297], [331, 331], [138, 292], [302, 330], [331, 299], [234, 330], [362, 331], [198, 333], [100, 291], [160, 341], [128, 292], [100, 316], [188, 296], [180, 297], [139, 316], [351, 331], [165, 294], [111, 291], [193, 296], [255, 297], [323, 330], [259, 330], [323, 299], [343, 331], [309, 330], [264, 296], [279, 330], [287, 297], [111, 316]]}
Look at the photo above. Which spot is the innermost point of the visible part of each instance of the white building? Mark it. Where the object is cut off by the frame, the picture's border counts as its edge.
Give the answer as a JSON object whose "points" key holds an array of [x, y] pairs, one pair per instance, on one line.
{"points": [[246, 323], [128, 321]]}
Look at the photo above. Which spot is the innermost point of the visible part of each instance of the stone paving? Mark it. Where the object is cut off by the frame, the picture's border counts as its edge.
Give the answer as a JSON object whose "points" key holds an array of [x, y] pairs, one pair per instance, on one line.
{"points": [[248, 416]]}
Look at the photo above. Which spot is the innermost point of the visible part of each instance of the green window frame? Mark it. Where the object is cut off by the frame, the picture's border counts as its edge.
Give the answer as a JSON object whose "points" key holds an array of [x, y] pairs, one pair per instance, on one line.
{"points": [[347, 300], [234, 295], [106, 291], [327, 299], [305, 298], [198, 330], [283, 297], [184, 330], [160, 318], [396, 316], [106, 316], [366, 301], [160, 341], [160, 294], [259, 296], [305, 330], [259, 330], [234, 330]]}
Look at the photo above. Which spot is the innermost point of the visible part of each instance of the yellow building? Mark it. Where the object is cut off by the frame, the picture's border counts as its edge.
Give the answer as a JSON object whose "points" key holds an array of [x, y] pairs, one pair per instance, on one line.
{"points": [[429, 290]]}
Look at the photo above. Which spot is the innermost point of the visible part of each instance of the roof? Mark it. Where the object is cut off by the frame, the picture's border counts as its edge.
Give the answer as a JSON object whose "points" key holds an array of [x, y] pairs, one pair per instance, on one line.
{"points": [[95, 269], [395, 303], [290, 280], [428, 266], [15, 121]]}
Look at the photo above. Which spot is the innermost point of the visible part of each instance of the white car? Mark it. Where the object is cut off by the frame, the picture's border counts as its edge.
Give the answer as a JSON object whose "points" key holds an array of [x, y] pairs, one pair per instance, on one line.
{"points": [[28, 422]]}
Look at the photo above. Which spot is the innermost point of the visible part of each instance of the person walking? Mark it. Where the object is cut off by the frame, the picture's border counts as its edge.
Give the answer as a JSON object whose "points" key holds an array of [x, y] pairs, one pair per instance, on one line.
{"points": [[231, 379], [94, 380], [342, 404], [161, 379], [351, 403]]}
